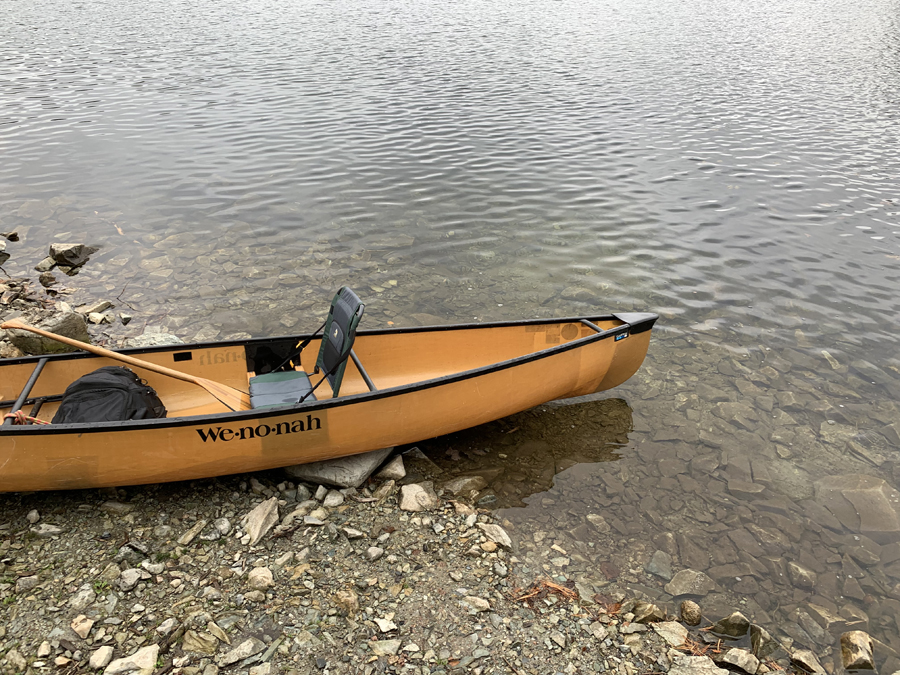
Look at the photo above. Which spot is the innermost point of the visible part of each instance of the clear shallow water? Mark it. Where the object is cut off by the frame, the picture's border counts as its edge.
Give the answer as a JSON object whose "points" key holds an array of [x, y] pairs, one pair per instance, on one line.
{"points": [[732, 166]]}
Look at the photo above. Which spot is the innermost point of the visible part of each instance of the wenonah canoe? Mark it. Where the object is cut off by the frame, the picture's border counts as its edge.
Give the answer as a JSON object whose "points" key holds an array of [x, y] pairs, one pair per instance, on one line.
{"points": [[402, 385]]}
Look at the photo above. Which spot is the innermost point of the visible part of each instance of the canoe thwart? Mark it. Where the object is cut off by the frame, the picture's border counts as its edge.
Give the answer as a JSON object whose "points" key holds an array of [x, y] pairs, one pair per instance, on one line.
{"points": [[23, 395]]}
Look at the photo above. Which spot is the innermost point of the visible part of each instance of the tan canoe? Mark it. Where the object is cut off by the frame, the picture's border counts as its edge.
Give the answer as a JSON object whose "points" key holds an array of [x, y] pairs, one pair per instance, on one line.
{"points": [[427, 382]]}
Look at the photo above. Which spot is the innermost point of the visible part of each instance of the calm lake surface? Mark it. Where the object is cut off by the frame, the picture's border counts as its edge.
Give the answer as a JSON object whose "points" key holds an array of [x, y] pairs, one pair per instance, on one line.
{"points": [[732, 166]]}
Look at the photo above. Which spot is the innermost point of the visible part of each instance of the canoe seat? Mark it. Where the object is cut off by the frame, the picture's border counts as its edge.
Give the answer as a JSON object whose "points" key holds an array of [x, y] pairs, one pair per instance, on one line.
{"points": [[292, 386], [274, 389]]}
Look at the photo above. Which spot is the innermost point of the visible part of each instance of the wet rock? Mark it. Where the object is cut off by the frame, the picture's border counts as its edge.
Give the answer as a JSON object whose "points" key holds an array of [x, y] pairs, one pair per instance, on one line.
{"points": [[142, 662], [672, 632], [71, 255], [690, 613], [660, 564], [734, 625], [465, 485], [863, 504], [856, 650], [646, 612], [802, 577], [260, 520], [808, 661], [598, 522], [690, 582], [496, 534], [695, 665], [67, 324], [344, 472], [762, 643], [418, 497], [742, 659]]}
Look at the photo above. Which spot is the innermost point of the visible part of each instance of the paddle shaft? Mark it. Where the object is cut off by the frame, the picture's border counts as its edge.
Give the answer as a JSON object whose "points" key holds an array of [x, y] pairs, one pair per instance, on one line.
{"points": [[100, 351]]}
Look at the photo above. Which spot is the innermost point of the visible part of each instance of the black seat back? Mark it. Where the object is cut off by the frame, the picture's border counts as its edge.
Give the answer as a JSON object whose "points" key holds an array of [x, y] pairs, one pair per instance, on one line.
{"points": [[339, 335]]}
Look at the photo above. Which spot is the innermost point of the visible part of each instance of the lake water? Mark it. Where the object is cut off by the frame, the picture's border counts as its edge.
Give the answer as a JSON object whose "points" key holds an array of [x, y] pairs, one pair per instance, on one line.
{"points": [[732, 166]]}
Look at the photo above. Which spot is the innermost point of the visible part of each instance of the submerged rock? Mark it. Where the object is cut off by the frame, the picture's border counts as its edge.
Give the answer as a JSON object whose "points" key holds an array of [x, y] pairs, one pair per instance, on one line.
{"points": [[856, 651], [690, 582], [863, 504]]}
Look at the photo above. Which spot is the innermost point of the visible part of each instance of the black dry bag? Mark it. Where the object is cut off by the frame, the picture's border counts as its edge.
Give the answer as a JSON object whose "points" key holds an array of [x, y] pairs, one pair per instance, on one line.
{"points": [[109, 394]]}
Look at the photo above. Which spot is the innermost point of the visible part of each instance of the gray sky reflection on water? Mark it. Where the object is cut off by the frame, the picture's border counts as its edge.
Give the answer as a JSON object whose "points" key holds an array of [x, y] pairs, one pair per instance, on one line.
{"points": [[730, 166]]}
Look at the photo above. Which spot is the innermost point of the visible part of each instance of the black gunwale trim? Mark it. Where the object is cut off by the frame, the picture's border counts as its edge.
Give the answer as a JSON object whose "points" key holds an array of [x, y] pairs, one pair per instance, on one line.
{"points": [[313, 406]]}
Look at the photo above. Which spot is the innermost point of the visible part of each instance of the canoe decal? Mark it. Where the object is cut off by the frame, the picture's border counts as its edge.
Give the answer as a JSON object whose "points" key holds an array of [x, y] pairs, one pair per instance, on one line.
{"points": [[260, 431]]}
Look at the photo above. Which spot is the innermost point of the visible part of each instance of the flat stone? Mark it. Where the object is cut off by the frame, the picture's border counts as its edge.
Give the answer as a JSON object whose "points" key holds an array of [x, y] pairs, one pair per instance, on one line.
{"points": [[496, 534], [244, 650], [660, 565], [672, 632], [690, 582], [83, 599], [344, 472], [856, 651], [25, 584], [82, 626], [71, 255], [101, 658], [129, 578], [189, 536], [199, 642], [863, 504], [142, 662], [260, 520], [385, 647], [696, 665], [418, 497]]}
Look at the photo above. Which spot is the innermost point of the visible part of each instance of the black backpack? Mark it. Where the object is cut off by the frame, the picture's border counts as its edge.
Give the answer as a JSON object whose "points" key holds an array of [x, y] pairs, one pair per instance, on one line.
{"points": [[109, 394]]}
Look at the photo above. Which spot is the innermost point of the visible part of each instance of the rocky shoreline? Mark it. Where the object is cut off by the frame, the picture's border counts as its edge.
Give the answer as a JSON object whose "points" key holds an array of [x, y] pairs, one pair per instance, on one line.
{"points": [[260, 575]]}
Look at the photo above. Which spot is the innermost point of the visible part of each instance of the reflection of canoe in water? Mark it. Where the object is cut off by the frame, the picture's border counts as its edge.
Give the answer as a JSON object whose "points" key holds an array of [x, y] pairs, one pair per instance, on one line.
{"points": [[401, 386]]}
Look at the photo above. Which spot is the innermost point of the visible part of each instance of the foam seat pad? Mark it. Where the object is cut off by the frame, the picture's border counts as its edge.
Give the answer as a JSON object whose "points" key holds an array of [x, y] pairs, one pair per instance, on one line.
{"points": [[274, 389]]}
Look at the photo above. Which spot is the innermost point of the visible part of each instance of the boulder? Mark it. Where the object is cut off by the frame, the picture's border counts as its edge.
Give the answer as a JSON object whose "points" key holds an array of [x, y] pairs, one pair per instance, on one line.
{"points": [[67, 324]]}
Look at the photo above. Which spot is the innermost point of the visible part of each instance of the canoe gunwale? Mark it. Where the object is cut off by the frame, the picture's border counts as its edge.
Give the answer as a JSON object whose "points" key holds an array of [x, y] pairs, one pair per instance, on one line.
{"points": [[643, 322]]}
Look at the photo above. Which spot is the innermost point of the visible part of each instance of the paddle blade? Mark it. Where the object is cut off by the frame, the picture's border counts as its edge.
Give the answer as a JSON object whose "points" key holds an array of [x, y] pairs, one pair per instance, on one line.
{"points": [[233, 398]]}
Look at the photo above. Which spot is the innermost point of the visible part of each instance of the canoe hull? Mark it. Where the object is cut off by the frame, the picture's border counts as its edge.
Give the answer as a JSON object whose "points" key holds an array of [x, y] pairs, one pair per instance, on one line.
{"points": [[201, 446]]}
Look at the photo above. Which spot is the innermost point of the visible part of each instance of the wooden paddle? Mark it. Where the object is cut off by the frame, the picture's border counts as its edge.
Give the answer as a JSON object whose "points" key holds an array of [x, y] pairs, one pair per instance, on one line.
{"points": [[233, 398]]}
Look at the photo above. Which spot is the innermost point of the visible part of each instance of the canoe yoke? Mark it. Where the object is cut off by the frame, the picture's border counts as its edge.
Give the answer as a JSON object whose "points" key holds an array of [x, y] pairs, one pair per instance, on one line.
{"points": [[293, 386]]}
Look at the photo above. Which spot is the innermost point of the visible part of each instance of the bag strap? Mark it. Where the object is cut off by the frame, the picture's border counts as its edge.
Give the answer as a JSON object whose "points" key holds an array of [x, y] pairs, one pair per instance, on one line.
{"points": [[300, 346]]}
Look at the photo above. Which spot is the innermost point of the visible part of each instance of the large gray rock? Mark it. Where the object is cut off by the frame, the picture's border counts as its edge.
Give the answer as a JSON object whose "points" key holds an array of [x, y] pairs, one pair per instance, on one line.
{"points": [[67, 324], [863, 504], [344, 472], [71, 255]]}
